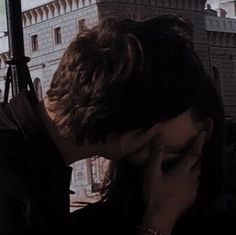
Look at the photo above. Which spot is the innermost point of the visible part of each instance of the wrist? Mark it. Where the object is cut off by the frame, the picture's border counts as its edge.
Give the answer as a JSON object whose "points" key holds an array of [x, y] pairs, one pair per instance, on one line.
{"points": [[159, 222], [146, 230]]}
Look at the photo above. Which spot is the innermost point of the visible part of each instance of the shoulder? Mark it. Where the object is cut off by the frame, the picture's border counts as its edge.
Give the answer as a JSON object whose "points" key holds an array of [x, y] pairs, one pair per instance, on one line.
{"points": [[11, 136], [96, 212], [14, 199], [7, 118], [16, 116], [101, 218]]}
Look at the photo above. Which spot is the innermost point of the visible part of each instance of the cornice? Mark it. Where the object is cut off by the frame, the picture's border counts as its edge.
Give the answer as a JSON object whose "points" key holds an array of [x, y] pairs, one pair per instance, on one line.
{"points": [[53, 9]]}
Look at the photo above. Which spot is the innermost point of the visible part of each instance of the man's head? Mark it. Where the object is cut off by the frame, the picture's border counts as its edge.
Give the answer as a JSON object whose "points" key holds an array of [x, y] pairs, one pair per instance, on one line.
{"points": [[123, 76], [183, 27]]}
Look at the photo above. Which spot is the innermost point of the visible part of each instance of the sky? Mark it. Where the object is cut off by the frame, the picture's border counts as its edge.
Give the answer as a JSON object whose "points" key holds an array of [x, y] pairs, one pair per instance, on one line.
{"points": [[27, 4], [214, 3]]}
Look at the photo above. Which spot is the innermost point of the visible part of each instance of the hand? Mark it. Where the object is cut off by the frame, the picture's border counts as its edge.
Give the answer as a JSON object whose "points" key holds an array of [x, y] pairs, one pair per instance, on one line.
{"points": [[168, 194]]}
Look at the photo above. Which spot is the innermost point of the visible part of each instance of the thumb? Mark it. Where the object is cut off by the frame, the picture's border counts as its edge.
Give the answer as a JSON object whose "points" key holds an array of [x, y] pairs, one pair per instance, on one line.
{"points": [[195, 152], [153, 168]]}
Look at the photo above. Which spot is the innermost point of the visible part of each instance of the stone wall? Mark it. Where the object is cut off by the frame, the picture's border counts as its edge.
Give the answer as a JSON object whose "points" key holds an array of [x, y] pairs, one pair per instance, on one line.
{"points": [[42, 21], [222, 48]]}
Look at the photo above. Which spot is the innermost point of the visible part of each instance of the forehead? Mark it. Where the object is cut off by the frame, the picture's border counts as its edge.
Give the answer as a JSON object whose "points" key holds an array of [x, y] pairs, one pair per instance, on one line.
{"points": [[179, 130]]}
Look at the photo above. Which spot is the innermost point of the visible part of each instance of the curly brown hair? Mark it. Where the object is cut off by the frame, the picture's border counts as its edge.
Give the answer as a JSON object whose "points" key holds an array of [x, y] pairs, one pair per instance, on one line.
{"points": [[121, 76]]}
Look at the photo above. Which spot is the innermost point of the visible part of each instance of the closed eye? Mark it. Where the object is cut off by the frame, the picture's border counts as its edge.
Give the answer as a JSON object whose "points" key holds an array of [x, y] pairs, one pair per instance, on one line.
{"points": [[180, 150], [173, 157]]}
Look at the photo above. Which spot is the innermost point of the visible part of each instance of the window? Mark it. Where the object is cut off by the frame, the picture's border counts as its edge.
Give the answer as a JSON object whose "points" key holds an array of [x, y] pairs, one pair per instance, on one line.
{"points": [[38, 89], [98, 166], [34, 42], [81, 24], [57, 35]]}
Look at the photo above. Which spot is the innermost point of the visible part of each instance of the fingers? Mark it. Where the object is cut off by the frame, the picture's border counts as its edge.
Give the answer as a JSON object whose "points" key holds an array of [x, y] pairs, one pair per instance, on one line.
{"points": [[156, 156], [196, 169], [197, 146], [195, 152], [141, 138]]}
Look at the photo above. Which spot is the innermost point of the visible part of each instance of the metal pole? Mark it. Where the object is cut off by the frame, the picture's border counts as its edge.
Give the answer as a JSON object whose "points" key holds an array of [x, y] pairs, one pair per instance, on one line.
{"points": [[20, 76], [15, 28]]}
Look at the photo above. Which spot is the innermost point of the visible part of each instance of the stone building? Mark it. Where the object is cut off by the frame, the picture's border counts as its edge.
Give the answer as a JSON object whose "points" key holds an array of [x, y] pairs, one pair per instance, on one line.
{"points": [[221, 36], [49, 28], [229, 7]]}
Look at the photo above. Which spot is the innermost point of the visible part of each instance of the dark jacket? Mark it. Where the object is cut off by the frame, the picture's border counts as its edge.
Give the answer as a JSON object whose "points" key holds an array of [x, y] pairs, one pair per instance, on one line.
{"points": [[34, 181]]}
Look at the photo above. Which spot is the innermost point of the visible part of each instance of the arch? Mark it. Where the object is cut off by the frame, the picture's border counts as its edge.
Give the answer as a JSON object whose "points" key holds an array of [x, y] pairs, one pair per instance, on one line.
{"points": [[38, 88]]}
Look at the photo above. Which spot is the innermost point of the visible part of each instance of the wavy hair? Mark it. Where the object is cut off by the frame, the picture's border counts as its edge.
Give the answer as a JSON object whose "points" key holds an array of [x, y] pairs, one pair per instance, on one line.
{"points": [[188, 87], [121, 76]]}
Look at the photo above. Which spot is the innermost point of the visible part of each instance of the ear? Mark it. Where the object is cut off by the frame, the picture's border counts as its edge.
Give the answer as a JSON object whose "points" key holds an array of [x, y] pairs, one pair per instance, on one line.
{"points": [[134, 140], [208, 126]]}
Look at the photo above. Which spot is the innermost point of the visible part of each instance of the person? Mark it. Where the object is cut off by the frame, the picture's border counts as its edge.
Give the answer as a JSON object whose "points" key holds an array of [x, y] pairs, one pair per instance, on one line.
{"points": [[103, 100], [189, 114]]}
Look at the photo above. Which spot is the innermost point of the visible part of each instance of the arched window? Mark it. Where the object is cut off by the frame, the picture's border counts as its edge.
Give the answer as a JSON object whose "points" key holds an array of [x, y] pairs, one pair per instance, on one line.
{"points": [[38, 88], [1, 95], [216, 77]]}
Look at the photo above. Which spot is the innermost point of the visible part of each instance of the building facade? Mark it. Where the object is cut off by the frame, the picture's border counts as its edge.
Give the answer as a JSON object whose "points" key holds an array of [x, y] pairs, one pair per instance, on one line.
{"points": [[48, 29], [229, 7], [221, 36]]}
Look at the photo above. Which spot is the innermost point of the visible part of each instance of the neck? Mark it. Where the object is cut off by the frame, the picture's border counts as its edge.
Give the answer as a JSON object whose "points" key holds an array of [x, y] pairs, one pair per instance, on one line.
{"points": [[69, 151], [115, 147]]}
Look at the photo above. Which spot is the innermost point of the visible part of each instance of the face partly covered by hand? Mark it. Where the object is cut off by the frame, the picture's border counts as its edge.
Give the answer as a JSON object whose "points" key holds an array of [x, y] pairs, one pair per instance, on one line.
{"points": [[176, 135], [172, 166]]}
